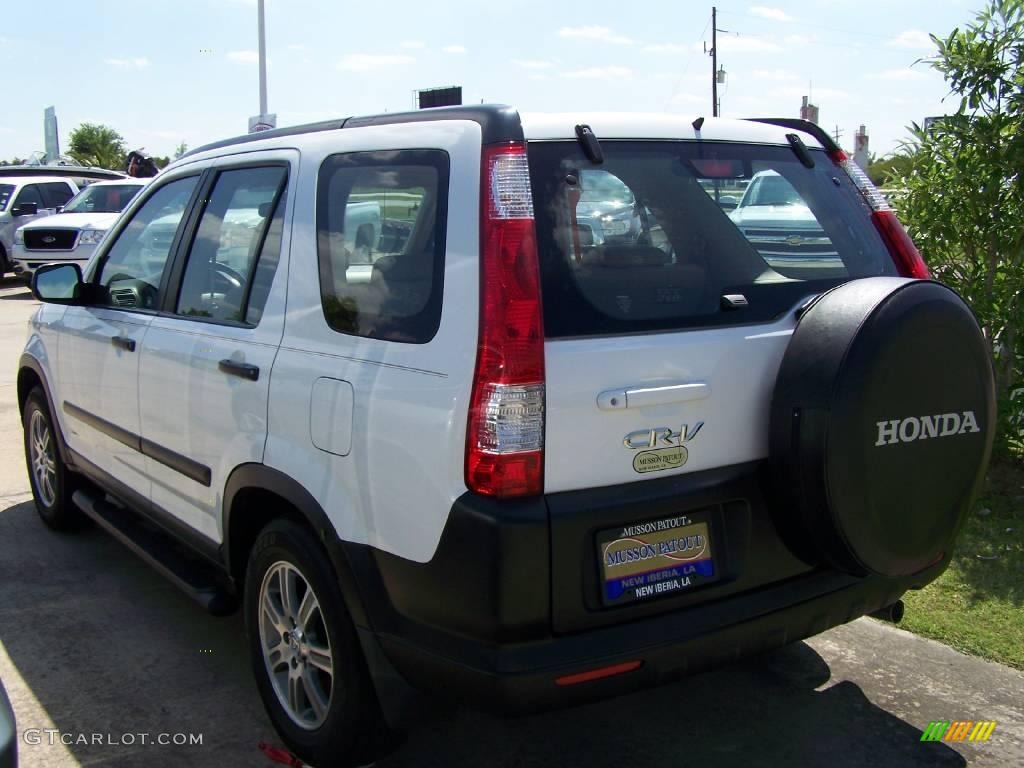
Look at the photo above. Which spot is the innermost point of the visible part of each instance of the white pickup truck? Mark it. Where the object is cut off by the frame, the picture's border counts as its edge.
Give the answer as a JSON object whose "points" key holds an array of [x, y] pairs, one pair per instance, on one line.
{"points": [[74, 233], [778, 222]]}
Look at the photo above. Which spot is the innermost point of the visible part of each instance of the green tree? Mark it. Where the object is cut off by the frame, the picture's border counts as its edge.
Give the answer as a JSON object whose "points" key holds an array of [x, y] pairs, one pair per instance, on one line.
{"points": [[180, 150], [97, 145], [964, 200], [884, 171]]}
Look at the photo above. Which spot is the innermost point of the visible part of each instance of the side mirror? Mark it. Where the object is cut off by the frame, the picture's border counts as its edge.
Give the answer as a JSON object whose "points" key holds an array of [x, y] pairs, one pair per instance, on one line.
{"points": [[25, 209], [57, 283]]}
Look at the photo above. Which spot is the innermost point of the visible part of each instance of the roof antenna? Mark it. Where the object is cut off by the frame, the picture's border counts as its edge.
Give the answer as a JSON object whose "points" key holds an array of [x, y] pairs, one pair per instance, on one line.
{"points": [[698, 123]]}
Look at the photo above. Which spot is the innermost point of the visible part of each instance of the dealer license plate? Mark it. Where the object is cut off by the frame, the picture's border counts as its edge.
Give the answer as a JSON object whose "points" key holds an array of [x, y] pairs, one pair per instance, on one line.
{"points": [[654, 559]]}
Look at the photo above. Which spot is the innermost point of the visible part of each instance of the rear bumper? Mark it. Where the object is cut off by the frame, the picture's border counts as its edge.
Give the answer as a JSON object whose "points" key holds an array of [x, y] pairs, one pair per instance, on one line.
{"points": [[510, 602], [518, 680], [8, 733]]}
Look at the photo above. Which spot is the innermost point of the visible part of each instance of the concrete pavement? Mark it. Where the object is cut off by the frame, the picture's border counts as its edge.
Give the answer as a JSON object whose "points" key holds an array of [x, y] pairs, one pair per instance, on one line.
{"points": [[92, 641]]}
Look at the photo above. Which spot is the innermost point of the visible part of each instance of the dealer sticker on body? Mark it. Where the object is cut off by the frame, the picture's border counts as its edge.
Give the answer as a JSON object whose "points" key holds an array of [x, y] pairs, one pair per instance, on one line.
{"points": [[653, 559]]}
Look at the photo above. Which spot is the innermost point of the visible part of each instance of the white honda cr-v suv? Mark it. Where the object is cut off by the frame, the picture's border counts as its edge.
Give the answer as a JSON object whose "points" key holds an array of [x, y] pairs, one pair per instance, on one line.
{"points": [[478, 450]]}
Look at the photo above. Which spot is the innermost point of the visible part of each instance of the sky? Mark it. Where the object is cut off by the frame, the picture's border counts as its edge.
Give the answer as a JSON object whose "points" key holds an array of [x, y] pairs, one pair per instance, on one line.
{"points": [[163, 72]]}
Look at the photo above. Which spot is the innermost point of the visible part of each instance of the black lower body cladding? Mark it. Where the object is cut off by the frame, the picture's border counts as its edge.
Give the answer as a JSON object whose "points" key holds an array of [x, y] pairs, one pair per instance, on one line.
{"points": [[881, 427], [511, 602]]}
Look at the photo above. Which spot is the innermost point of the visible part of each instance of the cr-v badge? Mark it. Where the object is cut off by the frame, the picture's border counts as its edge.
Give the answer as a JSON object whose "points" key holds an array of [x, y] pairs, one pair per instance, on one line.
{"points": [[660, 448]]}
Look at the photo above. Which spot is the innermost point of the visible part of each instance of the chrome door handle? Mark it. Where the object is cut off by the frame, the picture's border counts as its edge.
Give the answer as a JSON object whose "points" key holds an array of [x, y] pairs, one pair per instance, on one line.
{"points": [[640, 397]]}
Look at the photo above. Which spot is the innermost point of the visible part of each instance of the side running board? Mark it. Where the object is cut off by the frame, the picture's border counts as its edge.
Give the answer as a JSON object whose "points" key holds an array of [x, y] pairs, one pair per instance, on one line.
{"points": [[195, 577]]}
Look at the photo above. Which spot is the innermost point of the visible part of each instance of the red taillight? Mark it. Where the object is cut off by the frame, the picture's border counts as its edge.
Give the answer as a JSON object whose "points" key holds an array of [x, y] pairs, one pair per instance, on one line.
{"points": [[902, 249], [505, 433]]}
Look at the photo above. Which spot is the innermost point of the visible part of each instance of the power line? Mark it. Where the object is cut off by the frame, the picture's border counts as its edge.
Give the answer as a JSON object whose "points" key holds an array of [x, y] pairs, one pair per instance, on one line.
{"points": [[843, 31], [686, 68]]}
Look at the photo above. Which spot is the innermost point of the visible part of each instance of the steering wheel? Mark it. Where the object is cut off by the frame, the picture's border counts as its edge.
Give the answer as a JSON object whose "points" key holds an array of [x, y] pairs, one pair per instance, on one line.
{"points": [[229, 276]]}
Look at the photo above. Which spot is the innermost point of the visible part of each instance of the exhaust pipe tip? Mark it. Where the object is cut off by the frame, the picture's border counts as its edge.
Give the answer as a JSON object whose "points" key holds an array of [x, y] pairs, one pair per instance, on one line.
{"points": [[891, 613]]}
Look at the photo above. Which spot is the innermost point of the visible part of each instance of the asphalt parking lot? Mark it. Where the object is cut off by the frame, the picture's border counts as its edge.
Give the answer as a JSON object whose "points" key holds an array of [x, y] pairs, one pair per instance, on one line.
{"points": [[92, 641]]}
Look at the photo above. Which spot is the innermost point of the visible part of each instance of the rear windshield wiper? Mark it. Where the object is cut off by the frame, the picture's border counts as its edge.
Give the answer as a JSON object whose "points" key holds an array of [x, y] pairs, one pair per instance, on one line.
{"points": [[800, 150]]}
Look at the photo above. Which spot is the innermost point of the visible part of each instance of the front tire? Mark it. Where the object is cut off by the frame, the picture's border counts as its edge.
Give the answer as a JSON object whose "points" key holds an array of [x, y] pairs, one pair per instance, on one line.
{"points": [[305, 654], [52, 483]]}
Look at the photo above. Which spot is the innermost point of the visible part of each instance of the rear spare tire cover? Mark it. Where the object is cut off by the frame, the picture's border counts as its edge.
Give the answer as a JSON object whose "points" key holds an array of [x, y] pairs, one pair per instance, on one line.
{"points": [[882, 423]]}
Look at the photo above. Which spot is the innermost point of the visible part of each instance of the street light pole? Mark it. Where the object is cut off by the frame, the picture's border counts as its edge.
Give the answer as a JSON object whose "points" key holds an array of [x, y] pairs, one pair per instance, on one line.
{"points": [[263, 60]]}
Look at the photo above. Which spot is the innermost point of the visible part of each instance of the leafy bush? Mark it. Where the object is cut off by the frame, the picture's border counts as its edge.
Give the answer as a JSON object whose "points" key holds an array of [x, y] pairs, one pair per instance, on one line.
{"points": [[963, 192]]}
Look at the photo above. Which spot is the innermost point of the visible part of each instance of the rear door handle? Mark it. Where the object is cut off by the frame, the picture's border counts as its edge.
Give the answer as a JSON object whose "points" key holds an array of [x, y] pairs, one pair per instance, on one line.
{"points": [[122, 342], [244, 370], [640, 397]]}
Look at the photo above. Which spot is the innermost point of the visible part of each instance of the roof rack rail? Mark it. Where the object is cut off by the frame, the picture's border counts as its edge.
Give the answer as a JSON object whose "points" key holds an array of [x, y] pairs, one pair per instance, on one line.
{"points": [[82, 171], [291, 130], [804, 126], [498, 122]]}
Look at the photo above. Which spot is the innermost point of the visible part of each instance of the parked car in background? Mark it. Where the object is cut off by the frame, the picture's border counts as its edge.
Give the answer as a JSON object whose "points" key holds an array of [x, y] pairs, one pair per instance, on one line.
{"points": [[778, 222], [25, 198], [607, 208], [72, 235]]}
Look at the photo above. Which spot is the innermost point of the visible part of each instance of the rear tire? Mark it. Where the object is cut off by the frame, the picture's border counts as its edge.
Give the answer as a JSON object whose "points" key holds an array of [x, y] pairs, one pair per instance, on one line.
{"points": [[305, 654], [52, 483]]}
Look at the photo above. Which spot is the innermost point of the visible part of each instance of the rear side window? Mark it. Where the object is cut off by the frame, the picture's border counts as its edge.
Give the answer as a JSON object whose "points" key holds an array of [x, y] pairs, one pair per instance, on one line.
{"points": [[30, 194], [5, 195], [658, 235], [381, 220]]}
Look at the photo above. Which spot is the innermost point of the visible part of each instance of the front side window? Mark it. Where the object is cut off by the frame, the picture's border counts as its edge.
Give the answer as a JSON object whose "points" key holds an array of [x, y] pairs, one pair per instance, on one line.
{"points": [[664, 234], [232, 233], [56, 193], [131, 270], [381, 220], [112, 198]]}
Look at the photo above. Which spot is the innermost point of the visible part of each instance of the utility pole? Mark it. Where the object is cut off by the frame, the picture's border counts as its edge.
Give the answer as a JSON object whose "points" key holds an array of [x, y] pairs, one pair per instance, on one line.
{"points": [[714, 61], [263, 61]]}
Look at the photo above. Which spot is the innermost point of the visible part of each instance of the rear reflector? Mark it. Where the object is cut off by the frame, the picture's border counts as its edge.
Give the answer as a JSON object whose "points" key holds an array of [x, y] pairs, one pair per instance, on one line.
{"points": [[505, 433], [902, 249], [598, 674]]}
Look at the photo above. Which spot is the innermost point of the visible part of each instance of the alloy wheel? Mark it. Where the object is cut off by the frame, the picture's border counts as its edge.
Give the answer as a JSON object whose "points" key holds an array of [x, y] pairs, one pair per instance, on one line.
{"points": [[296, 647]]}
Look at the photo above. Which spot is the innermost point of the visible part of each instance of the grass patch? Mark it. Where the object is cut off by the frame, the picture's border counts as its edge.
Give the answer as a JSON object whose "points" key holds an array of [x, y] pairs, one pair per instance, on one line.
{"points": [[977, 605]]}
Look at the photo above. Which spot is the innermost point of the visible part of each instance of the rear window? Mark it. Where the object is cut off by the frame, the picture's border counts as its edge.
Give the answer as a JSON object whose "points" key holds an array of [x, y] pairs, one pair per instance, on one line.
{"points": [[660, 233]]}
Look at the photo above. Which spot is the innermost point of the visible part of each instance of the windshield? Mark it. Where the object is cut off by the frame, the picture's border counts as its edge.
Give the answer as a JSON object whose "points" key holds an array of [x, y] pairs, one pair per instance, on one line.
{"points": [[686, 252], [110, 198], [5, 194]]}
